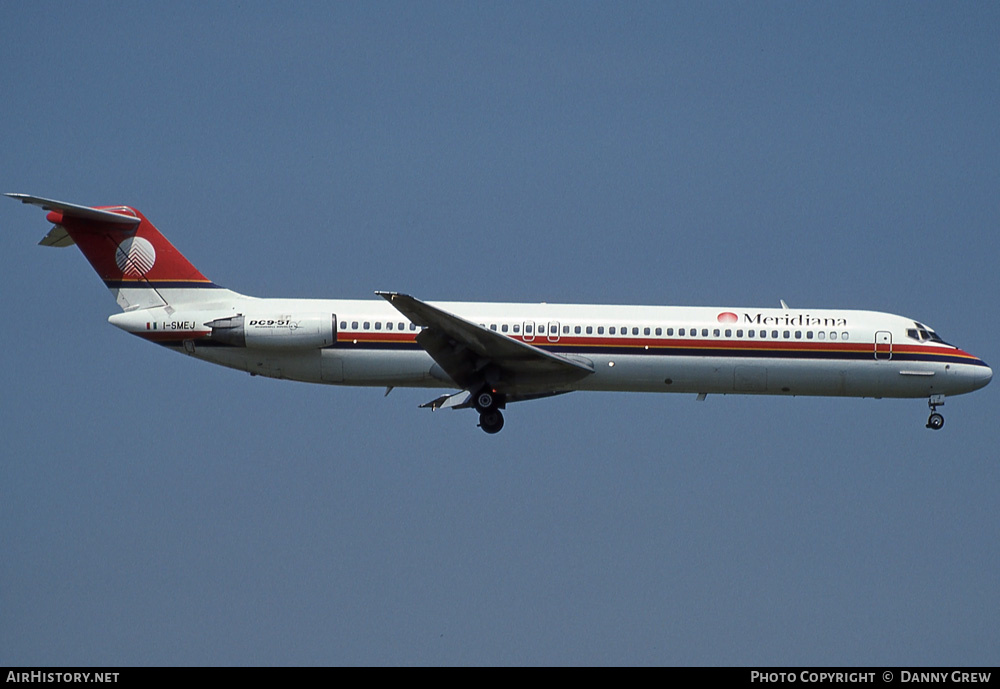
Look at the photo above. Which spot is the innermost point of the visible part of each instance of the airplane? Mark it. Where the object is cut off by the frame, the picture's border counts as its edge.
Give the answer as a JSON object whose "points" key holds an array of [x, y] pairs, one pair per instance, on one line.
{"points": [[495, 354]]}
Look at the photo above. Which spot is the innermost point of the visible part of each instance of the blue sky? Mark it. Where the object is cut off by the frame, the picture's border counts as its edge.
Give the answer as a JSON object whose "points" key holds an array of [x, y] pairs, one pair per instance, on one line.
{"points": [[157, 510]]}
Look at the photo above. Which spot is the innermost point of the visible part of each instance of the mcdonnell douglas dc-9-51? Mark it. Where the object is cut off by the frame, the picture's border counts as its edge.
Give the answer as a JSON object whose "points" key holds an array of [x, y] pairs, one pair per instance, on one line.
{"points": [[495, 354]]}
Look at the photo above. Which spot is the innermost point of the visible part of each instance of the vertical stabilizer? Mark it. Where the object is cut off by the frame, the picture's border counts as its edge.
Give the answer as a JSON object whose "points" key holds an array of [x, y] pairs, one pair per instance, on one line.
{"points": [[137, 263]]}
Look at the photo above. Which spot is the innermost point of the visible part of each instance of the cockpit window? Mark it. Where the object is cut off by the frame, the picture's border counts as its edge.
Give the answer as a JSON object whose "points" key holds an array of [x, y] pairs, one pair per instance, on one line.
{"points": [[924, 334]]}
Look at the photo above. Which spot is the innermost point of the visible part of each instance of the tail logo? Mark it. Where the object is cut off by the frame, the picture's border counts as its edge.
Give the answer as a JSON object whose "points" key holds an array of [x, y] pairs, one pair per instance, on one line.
{"points": [[135, 256]]}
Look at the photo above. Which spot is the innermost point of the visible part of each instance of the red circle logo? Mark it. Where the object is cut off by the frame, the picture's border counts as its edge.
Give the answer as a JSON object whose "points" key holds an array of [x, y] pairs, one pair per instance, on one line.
{"points": [[728, 317]]}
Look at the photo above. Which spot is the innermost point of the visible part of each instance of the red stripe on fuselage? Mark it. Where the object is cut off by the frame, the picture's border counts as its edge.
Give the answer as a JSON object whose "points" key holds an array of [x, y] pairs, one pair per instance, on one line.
{"points": [[173, 335], [720, 346]]}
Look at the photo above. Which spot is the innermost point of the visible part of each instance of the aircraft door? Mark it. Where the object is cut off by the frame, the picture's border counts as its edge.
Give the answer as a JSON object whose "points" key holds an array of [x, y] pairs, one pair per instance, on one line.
{"points": [[883, 345], [529, 331], [554, 331]]}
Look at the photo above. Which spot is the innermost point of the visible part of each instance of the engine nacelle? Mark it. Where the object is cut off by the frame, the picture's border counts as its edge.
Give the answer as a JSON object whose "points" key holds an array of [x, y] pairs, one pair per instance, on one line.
{"points": [[310, 331]]}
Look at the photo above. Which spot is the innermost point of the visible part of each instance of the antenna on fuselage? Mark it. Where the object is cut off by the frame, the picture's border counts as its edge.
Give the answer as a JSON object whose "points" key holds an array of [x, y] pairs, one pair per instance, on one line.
{"points": [[783, 304]]}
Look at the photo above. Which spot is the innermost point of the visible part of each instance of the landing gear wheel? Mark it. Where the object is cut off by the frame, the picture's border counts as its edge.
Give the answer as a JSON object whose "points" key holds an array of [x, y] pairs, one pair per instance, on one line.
{"points": [[491, 421], [485, 401], [935, 421]]}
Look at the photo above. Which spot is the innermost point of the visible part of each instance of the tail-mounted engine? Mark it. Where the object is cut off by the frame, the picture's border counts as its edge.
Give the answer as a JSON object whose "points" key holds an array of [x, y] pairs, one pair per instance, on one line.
{"points": [[276, 332]]}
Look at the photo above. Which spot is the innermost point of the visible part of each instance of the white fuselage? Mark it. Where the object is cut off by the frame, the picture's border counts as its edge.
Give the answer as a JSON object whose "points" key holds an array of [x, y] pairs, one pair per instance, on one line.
{"points": [[631, 348]]}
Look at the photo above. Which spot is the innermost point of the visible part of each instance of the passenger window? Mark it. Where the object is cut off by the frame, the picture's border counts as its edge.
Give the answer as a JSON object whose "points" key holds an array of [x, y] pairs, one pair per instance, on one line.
{"points": [[739, 333], [670, 332], [843, 336], [715, 333], [600, 330], [413, 326], [798, 334], [566, 329], [635, 331], [763, 333], [590, 330], [645, 331], [528, 328], [704, 332], [493, 327], [503, 327], [378, 325], [611, 330], [343, 325], [774, 334], [729, 333], [517, 327], [388, 326], [809, 334], [833, 336], [751, 333], [821, 335], [659, 332], [354, 325], [368, 325], [576, 330]]}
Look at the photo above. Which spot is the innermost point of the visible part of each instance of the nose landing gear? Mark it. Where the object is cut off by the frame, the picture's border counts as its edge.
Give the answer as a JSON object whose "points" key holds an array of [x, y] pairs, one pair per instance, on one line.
{"points": [[935, 421]]}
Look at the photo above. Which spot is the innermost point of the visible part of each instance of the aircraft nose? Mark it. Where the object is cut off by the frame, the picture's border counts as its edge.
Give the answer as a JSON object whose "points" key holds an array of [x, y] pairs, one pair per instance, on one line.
{"points": [[978, 376], [985, 376]]}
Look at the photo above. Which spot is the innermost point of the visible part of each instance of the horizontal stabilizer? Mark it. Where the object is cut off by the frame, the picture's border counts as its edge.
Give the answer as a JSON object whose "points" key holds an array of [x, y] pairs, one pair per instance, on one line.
{"points": [[57, 236], [72, 210]]}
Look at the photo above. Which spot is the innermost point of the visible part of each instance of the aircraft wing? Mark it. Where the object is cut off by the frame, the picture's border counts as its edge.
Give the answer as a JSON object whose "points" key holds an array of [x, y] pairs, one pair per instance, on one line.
{"points": [[472, 355]]}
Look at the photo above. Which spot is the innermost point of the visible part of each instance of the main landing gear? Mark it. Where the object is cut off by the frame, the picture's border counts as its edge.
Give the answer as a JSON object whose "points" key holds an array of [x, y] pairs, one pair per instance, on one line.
{"points": [[488, 404], [935, 421]]}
